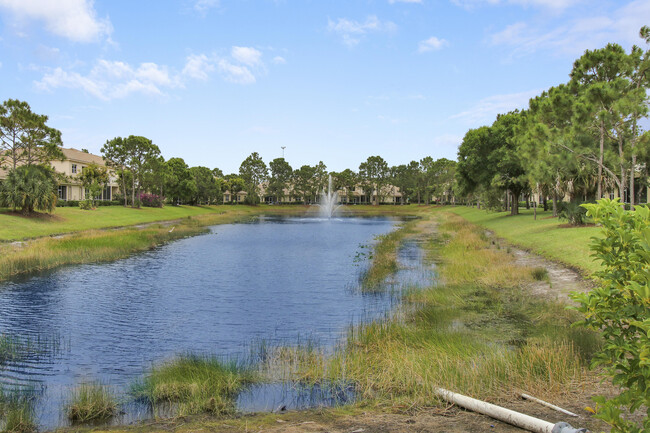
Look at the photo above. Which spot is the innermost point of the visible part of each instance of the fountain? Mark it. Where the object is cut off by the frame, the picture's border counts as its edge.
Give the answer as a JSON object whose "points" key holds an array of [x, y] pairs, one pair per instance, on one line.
{"points": [[329, 201]]}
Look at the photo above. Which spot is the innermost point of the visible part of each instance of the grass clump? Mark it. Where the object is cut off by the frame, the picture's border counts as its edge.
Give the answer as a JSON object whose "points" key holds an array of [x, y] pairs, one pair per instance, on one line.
{"points": [[91, 402], [539, 274], [17, 411], [195, 384]]}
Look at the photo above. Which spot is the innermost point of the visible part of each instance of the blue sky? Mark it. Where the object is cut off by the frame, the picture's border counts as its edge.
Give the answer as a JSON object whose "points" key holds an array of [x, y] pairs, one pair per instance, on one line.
{"points": [[334, 80]]}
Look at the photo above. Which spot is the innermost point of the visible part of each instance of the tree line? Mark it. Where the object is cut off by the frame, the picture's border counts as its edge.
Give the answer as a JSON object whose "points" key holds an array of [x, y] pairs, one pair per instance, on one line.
{"points": [[581, 139], [28, 145]]}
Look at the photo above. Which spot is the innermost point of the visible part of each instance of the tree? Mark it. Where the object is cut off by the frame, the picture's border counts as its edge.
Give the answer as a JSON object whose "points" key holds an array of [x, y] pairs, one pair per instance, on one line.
{"points": [[304, 183], [116, 155], [443, 172], [475, 169], [93, 178], [179, 184], [346, 180], [141, 151], [206, 185], [374, 171], [598, 79], [25, 139], [234, 184], [281, 173], [29, 187], [254, 171], [510, 174], [405, 177]]}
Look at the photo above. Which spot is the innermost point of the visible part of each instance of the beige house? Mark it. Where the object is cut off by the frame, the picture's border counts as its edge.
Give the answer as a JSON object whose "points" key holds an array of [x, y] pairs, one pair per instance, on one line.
{"points": [[70, 188], [73, 164]]}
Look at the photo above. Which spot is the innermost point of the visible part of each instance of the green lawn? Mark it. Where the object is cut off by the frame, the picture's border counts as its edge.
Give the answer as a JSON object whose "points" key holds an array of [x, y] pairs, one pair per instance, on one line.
{"points": [[545, 236], [69, 219]]}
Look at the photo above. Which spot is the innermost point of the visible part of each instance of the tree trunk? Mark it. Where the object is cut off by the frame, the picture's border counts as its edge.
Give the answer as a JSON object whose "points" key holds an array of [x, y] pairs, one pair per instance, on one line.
{"points": [[124, 188], [621, 186], [514, 204], [545, 203], [554, 203], [601, 157], [133, 192]]}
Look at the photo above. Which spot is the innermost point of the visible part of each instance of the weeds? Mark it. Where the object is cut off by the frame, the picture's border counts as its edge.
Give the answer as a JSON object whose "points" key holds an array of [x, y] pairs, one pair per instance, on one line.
{"points": [[90, 402], [539, 274], [17, 411], [195, 384]]}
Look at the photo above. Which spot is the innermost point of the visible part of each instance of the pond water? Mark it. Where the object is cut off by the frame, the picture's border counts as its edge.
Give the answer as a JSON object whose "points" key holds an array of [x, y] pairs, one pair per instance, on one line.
{"points": [[276, 280]]}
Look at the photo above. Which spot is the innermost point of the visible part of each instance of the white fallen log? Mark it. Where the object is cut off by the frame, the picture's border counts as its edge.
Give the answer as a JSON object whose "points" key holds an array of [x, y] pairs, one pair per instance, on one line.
{"points": [[547, 404], [517, 419]]}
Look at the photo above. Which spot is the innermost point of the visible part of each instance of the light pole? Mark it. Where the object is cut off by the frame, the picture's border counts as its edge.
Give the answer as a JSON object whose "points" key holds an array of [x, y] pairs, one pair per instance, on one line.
{"points": [[283, 147]]}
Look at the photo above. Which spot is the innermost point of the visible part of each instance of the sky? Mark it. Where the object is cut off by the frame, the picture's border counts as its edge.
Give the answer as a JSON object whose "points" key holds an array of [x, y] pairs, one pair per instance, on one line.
{"points": [[212, 81]]}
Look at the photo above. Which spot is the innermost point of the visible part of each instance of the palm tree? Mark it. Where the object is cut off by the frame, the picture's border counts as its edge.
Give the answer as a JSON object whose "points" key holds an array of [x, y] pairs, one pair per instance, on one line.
{"points": [[29, 187]]}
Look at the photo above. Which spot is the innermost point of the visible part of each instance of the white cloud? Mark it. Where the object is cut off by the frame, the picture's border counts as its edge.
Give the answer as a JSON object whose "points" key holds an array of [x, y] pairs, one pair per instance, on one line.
{"points": [[432, 44], [246, 55], [278, 60], [202, 6], [572, 38], [72, 19], [447, 141], [236, 73], [486, 110], [391, 120], [113, 80], [198, 66], [352, 31]]}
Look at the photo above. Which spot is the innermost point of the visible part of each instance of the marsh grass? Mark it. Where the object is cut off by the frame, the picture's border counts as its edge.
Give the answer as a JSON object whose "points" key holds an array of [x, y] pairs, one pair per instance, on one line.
{"points": [[91, 402], [477, 332], [539, 274], [17, 411], [384, 257], [195, 384]]}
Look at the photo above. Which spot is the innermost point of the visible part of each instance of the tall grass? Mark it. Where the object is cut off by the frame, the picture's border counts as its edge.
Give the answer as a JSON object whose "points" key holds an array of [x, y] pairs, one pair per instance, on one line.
{"points": [[91, 402], [17, 411], [384, 257], [478, 333], [196, 384]]}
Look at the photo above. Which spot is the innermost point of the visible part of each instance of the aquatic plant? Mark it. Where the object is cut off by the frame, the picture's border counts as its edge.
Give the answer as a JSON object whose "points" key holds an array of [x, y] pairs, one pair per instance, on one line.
{"points": [[91, 401], [196, 384], [17, 411], [539, 274]]}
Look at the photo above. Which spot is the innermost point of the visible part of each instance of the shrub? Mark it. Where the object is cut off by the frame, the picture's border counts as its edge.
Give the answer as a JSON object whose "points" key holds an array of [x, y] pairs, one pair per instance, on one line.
{"points": [[573, 212], [151, 200], [619, 307]]}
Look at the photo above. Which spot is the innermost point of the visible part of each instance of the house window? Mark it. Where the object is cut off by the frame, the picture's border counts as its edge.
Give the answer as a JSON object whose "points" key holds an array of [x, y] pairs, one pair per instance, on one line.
{"points": [[62, 192], [227, 198], [74, 168]]}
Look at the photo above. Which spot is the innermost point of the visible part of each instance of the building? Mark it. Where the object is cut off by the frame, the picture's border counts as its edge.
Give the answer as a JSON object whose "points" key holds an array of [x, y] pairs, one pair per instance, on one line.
{"points": [[70, 188]]}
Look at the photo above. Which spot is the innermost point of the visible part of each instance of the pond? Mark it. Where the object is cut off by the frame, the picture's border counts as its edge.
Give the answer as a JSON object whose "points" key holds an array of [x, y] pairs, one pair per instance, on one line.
{"points": [[276, 280]]}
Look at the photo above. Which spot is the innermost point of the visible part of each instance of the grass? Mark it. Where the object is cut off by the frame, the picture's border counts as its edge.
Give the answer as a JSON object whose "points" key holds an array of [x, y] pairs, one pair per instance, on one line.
{"points": [[91, 402], [479, 334], [546, 236], [196, 384], [17, 411], [384, 257]]}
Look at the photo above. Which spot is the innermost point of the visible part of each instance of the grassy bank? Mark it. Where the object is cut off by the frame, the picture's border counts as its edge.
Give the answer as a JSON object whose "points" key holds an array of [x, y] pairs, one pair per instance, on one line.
{"points": [[546, 236], [479, 334], [105, 245], [384, 257], [195, 384]]}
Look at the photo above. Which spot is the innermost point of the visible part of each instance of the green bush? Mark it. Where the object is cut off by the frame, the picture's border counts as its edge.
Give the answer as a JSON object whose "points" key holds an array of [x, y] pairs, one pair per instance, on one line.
{"points": [[573, 212], [619, 307]]}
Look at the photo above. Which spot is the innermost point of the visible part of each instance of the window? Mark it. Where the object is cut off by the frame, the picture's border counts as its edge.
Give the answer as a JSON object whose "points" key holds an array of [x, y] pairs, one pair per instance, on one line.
{"points": [[62, 192], [74, 168], [227, 198]]}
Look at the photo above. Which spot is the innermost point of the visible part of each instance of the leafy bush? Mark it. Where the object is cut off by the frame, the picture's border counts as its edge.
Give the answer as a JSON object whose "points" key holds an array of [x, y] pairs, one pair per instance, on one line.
{"points": [[151, 200], [573, 212], [619, 307]]}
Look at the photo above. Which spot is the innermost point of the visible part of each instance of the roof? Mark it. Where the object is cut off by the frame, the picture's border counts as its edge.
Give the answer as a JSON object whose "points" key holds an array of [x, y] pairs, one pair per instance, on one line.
{"points": [[81, 156]]}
